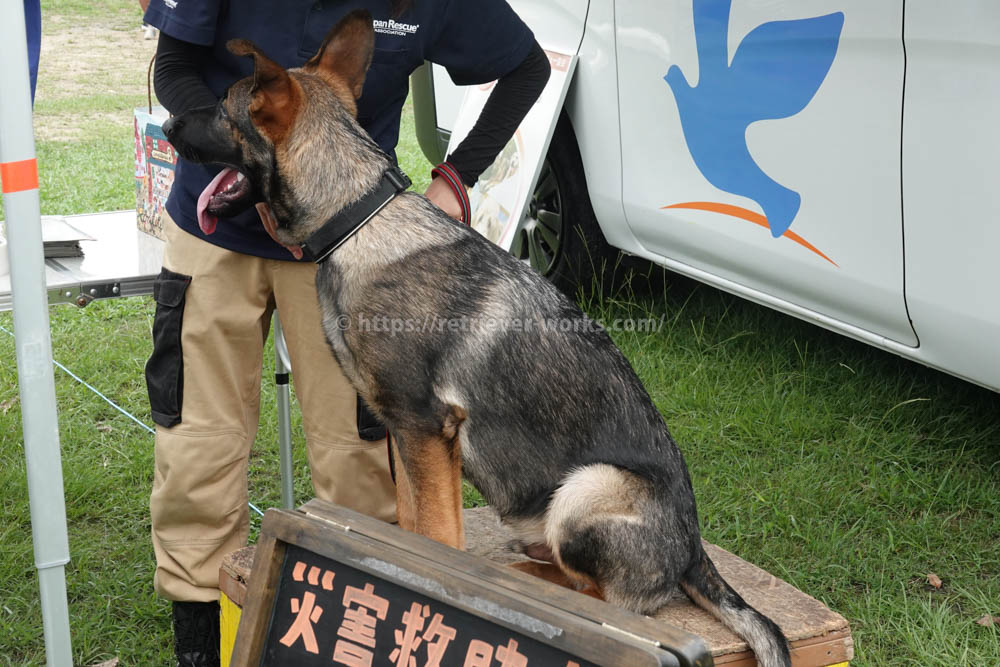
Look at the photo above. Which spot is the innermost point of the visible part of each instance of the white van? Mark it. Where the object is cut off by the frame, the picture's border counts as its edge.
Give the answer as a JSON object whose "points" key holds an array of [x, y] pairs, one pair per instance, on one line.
{"points": [[836, 160]]}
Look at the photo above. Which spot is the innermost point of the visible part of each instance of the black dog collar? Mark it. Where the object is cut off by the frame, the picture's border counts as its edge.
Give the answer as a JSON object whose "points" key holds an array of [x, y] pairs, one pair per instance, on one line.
{"points": [[353, 217]]}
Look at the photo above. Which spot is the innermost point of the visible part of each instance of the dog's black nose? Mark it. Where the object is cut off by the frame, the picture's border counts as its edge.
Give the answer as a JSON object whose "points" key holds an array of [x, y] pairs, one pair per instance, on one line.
{"points": [[173, 124]]}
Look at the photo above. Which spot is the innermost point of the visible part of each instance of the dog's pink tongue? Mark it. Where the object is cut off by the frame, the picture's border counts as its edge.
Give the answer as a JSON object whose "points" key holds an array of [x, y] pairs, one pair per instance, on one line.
{"points": [[206, 220]]}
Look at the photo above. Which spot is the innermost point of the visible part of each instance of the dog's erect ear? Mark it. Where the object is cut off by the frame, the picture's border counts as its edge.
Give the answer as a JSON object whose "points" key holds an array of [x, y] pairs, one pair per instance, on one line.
{"points": [[347, 51], [268, 76], [275, 95]]}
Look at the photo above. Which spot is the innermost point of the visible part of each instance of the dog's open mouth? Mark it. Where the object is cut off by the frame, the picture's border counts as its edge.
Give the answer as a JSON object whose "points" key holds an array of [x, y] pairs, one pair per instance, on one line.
{"points": [[227, 194]]}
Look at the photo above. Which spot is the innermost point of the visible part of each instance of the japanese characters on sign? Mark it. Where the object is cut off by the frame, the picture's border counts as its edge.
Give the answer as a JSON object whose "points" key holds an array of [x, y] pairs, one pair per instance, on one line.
{"points": [[327, 613]]}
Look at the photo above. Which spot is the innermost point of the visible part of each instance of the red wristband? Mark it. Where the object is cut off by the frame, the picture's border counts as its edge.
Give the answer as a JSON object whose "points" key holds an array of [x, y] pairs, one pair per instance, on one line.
{"points": [[451, 176]]}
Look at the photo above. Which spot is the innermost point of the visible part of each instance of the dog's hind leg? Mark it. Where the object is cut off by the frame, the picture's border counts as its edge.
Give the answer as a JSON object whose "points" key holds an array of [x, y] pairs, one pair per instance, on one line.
{"points": [[638, 543], [530, 540], [554, 574], [604, 526]]}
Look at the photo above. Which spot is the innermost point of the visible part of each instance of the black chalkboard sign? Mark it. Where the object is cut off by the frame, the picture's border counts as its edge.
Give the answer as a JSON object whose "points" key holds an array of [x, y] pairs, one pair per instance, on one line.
{"points": [[326, 611], [330, 586]]}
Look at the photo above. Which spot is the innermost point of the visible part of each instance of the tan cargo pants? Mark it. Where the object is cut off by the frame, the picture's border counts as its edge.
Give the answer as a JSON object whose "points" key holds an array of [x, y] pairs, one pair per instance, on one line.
{"points": [[216, 305]]}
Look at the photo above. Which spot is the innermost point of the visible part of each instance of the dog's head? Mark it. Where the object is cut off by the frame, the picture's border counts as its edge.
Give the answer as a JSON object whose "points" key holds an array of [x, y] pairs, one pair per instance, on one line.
{"points": [[274, 130]]}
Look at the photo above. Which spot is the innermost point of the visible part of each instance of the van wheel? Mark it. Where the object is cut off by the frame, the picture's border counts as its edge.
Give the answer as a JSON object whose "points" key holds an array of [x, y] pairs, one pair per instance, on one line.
{"points": [[560, 237]]}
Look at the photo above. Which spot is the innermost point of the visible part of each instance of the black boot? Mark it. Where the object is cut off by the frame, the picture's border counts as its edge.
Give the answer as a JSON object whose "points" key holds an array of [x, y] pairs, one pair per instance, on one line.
{"points": [[196, 634]]}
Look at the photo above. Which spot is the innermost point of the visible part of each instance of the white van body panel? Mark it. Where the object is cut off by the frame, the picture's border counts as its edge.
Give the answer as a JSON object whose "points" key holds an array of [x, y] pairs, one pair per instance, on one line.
{"points": [[893, 157], [840, 155], [951, 184]]}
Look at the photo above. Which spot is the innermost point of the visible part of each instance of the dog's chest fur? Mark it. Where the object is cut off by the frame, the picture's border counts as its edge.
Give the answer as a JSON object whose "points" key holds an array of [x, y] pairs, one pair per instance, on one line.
{"points": [[363, 288]]}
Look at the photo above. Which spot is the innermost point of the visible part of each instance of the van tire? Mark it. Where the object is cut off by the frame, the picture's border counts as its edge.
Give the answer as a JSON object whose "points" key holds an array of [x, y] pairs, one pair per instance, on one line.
{"points": [[560, 237]]}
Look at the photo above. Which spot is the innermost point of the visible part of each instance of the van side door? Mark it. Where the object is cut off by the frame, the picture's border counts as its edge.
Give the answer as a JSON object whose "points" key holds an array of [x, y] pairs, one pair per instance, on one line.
{"points": [[761, 149]]}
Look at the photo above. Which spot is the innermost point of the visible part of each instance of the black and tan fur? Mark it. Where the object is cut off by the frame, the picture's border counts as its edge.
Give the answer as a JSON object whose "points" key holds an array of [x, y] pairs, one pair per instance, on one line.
{"points": [[551, 424]]}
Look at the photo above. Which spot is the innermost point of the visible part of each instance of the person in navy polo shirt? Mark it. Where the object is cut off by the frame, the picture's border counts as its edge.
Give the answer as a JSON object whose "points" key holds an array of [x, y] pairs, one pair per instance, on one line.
{"points": [[217, 292], [33, 34]]}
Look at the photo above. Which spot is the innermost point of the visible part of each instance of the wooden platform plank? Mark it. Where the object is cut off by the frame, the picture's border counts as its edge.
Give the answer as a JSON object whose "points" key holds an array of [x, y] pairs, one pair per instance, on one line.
{"points": [[235, 574], [806, 621]]}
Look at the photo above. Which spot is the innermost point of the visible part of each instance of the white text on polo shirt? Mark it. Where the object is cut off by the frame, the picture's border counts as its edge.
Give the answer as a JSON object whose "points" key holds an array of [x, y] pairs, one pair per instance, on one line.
{"points": [[390, 27]]}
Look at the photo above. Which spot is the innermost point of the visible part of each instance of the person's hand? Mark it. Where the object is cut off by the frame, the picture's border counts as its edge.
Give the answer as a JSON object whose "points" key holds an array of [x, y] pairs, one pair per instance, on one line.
{"points": [[442, 196], [271, 225]]}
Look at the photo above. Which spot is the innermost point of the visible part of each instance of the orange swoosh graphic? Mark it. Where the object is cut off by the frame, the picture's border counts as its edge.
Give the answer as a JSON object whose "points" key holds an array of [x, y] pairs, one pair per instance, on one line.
{"points": [[750, 216]]}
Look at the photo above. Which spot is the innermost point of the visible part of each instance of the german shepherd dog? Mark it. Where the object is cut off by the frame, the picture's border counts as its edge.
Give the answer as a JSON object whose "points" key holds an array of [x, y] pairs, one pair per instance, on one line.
{"points": [[493, 372]]}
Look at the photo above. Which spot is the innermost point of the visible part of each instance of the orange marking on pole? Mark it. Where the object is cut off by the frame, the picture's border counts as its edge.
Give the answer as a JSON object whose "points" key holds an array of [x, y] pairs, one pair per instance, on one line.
{"points": [[19, 176], [749, 216]]}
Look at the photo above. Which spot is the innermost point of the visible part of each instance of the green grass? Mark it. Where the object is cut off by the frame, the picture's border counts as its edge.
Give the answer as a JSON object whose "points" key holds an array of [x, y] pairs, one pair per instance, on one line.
{"points": [[845, 470], [87, 175]]}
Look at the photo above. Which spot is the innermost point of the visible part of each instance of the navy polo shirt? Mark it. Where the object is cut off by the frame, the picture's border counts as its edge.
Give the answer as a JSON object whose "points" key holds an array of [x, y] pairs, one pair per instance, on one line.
{"points": [[476, 40]]}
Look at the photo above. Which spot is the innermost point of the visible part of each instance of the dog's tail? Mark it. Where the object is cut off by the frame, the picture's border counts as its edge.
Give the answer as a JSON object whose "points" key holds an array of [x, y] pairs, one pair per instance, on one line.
{"points": [[703, 584]]}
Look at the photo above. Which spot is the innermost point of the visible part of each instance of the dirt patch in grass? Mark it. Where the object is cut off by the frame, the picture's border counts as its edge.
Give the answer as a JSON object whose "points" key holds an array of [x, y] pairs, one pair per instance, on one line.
{"points": [[86, 61], [67, 127], [89, 60]]}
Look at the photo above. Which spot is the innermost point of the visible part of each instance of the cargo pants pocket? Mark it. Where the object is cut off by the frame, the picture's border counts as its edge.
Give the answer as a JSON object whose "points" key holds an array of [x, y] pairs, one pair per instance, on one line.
{"points": [[369, 426], [165, 368]]}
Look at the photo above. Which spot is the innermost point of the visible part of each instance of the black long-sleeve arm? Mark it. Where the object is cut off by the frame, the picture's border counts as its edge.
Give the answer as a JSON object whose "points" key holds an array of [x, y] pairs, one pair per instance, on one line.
{"points": [[177, 75], [508, 104], [180, 87]]}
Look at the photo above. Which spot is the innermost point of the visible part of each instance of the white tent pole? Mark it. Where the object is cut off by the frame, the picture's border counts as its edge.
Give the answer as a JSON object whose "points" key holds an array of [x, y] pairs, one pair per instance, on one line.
{"points": [[282, 367], [19, 175]]}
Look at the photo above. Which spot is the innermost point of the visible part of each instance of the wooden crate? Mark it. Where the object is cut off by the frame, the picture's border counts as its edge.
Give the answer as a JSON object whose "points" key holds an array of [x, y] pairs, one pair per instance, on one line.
{"points": [[819, 637]]}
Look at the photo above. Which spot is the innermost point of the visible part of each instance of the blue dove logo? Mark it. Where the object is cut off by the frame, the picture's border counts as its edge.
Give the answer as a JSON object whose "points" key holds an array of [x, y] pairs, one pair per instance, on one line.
{"points": [[775, 72]]}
